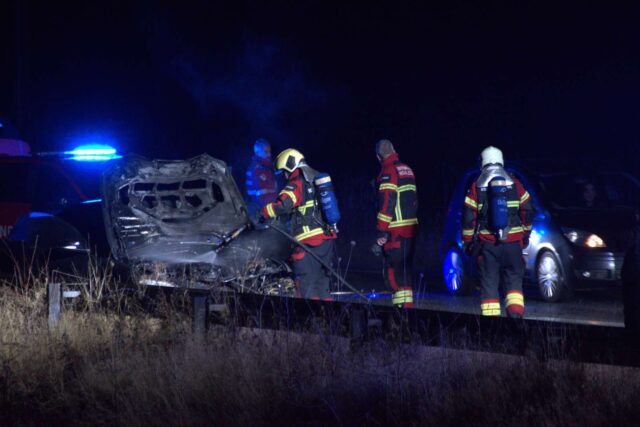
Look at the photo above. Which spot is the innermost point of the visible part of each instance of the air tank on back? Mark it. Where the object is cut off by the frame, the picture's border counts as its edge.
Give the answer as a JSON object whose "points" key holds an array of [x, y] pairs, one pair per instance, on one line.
{"points": [[498, 207], [327, 199]]}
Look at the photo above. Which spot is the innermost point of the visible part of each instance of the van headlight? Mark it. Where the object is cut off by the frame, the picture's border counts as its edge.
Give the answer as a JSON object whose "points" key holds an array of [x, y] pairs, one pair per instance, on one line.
{"points": [[583, 238]]}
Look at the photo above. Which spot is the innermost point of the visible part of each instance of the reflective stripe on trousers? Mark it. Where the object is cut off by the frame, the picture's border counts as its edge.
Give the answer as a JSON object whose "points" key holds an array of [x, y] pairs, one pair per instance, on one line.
{"points": [[398, 274], [501, 264], [403, 297], [490, 307], [515, 303]]}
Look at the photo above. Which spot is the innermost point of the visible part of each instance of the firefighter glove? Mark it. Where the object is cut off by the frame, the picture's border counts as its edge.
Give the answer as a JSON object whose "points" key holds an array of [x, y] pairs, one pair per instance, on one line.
{"points": [[264, 221]]}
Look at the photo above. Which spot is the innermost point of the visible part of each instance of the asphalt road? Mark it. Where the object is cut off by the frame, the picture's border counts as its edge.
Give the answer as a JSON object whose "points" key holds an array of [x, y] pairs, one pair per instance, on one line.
{"points": [[597, 305]]}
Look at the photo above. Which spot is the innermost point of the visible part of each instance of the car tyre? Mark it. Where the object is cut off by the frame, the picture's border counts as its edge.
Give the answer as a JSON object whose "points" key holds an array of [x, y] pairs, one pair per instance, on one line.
{"points": [[550, 278], [457, 272]]}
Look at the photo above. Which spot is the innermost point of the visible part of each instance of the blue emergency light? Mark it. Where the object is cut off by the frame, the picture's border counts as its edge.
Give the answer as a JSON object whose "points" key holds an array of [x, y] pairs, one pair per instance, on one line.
{"points": [[93, 153]]}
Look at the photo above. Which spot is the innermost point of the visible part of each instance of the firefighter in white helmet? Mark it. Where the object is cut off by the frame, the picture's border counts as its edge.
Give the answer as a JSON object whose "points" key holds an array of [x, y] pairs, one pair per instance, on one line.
{"points": [[497, 223]]}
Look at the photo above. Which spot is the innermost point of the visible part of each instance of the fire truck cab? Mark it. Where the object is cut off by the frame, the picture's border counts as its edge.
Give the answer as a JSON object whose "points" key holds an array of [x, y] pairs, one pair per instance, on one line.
{"points": [[31, 184]]}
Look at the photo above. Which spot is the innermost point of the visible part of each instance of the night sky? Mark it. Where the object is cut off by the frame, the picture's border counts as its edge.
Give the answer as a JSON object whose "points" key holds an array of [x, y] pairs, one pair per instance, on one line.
{"points": [[442, 80]]}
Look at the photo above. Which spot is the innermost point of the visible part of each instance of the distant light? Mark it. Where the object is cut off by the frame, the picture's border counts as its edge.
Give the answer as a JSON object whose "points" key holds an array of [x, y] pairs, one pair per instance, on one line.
{"points": [[72, 246], [93, 153], [87, 202], [378, 295], [39, 215], [93, 149], [94, 158]]}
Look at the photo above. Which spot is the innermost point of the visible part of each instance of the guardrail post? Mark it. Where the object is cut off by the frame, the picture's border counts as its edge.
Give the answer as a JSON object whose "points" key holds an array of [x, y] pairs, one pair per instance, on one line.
{"points": [[358, 323], [54, 304], [199, 313]]}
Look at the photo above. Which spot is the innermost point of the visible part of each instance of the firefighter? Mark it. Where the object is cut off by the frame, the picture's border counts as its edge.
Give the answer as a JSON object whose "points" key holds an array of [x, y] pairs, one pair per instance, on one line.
{"points": [[260, 180], [497, 221], [298, 198], [397, 222]]}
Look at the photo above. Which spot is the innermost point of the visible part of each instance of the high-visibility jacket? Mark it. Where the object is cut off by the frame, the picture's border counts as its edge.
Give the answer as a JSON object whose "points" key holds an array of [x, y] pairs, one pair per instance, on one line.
{"points": [[298, 198], [397, 199], [475, 217], [260, 181]]}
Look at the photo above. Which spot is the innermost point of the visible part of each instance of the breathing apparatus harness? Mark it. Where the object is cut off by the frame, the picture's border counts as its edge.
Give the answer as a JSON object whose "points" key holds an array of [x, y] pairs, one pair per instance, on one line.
{"points": [[325, 197], [328, 205], [494, 181]]}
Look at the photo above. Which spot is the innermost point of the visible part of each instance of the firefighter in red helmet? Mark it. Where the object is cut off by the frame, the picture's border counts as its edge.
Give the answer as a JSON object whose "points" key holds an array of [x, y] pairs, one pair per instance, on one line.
{"points": [[397, 222], [299, 199], [497, 221]]}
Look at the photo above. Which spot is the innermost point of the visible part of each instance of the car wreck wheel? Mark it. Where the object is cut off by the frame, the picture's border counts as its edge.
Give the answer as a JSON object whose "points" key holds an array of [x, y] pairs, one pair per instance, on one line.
{"points": [[550, 279]]}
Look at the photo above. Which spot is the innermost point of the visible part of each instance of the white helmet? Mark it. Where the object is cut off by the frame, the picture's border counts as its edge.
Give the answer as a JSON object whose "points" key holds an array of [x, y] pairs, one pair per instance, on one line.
{"points": [[491, 156]]}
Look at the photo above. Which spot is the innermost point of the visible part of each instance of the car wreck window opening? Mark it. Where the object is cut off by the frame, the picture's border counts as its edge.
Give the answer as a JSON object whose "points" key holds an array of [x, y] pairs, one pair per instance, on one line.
{"points": [[170, 186], [171, 202], [194, 184], [193, 200], [150, 201], [143, 187], [124, 195], [216, 191]]}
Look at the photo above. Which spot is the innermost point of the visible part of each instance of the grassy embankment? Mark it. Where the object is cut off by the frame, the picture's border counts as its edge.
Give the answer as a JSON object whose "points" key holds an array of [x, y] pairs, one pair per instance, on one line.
{"points": [[100, 367]]}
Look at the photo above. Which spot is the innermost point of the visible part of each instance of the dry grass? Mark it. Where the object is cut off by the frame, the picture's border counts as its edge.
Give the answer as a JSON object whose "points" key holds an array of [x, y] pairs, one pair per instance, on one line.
{"points": [[102, 368]]}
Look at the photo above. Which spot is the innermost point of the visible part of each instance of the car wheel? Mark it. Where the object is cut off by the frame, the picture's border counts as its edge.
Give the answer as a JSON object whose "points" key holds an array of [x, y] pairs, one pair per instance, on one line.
{"points": [[456, 276], [550, 278]]}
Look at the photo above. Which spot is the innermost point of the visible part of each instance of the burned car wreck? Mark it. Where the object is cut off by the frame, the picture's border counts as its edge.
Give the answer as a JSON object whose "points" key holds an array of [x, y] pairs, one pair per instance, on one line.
{"points": [[184, 223], [168, 223]]}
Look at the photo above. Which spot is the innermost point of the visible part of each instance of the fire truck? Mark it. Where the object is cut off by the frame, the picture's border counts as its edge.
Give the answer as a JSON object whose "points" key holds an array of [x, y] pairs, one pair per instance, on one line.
{"points": [[44, 183]]}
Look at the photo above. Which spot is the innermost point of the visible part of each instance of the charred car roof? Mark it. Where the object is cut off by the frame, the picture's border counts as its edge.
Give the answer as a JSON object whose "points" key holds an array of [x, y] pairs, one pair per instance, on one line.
{"points": [[153, 207]]}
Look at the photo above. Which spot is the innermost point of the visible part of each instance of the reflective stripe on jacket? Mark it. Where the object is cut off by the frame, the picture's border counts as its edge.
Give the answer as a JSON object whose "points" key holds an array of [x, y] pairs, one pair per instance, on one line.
{"points": [[298, 198], [520, 214], [397, 198]]}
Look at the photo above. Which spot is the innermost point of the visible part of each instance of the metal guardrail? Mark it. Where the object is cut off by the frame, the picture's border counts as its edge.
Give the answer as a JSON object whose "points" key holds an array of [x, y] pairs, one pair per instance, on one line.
{"points": [[361, 322], [55, 296], [366, 322]]}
